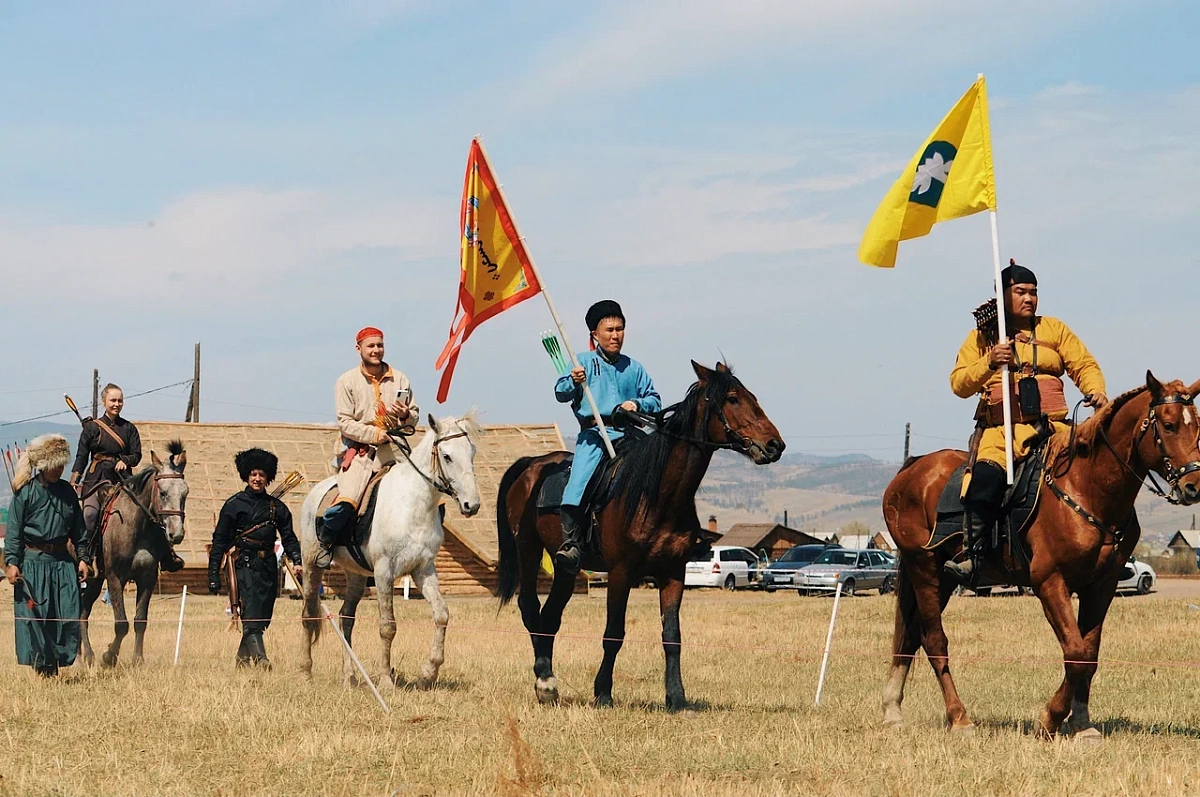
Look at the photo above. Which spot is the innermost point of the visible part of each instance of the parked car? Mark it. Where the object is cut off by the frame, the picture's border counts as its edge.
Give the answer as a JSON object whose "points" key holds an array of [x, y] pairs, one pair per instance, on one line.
{"points": [[1137, 577], [856, 570], [725, 566], [779, 574]]}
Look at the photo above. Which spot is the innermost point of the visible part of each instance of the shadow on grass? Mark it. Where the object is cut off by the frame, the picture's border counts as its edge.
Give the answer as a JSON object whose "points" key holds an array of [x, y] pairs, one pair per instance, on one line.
{"points": [[700, 706], [1108, 727]]}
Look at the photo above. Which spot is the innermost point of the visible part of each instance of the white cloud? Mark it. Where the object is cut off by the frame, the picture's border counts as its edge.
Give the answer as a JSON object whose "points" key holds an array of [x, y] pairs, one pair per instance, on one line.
{"points": [[206, 243], [640, 42], [1072, 88]]}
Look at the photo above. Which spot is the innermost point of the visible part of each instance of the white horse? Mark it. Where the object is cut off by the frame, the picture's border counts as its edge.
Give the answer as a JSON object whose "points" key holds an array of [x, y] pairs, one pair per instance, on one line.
{"points": [[405, 537]]}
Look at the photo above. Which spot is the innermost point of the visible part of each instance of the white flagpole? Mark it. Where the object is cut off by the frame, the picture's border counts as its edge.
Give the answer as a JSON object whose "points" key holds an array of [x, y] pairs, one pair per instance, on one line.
{"points": [[837, 596], [1002, 328], [179, 631], [587, 391]]}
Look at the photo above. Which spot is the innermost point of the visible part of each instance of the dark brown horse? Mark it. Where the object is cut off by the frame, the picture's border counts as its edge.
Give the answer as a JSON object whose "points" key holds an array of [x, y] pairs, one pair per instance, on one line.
{"points": [[648, 528], [1079, 538]]}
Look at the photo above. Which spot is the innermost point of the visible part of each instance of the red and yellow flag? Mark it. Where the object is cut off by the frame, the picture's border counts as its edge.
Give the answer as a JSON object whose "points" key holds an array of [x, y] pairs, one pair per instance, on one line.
{"points": [[496, 272]]}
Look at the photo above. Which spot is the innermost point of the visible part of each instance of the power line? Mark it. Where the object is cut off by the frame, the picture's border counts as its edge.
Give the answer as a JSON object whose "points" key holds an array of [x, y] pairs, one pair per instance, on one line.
{"points": [[68, 412]]}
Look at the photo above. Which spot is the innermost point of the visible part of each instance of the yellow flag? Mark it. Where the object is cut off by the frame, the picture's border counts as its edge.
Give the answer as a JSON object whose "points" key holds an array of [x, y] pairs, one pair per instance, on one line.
{"points": [[495, 270], [950, 176]]}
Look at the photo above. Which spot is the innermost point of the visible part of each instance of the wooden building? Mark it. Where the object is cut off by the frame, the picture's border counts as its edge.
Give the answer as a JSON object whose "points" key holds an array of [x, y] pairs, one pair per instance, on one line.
{"points": [[469, 557], [772, 538]]}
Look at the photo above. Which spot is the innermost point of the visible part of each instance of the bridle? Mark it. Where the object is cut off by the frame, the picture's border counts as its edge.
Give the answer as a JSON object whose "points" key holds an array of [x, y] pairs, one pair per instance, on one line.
{"points": [[734, 439], [1171, 473], [439, 481], [155, 513]]}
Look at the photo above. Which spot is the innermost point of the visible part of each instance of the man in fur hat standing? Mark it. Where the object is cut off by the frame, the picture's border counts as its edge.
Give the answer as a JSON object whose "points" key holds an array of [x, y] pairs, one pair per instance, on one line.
{"points": [[371, 400], [246, 527], [43, 518]]}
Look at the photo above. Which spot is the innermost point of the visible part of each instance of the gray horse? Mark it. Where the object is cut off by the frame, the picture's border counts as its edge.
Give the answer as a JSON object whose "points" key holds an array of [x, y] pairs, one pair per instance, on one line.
{"points": [[145, 514]]}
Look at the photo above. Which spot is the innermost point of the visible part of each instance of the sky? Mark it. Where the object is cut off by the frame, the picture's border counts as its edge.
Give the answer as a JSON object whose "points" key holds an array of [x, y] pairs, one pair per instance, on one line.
{"points": [[265, 177]]}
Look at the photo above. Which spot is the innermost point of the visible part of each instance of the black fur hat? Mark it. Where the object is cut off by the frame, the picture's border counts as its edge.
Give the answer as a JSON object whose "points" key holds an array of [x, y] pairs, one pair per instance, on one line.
{"points": [[253, 459], [601, 310]]}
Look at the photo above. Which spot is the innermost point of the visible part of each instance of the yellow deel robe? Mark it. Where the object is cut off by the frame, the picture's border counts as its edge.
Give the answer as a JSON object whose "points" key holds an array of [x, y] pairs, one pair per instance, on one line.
{"points": [[1059, 351]]}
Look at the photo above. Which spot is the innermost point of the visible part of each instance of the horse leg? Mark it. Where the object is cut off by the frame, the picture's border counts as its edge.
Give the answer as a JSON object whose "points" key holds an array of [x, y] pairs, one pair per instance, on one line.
{"points": [[116, 596], [549, 621], [141, 611], [87, 599], [614, 634], [670, 596], [427, 580], [1093, 608], [1056, 605], [311, 614], [356, 585], [906, 640], [385, 593], [932, 592]]}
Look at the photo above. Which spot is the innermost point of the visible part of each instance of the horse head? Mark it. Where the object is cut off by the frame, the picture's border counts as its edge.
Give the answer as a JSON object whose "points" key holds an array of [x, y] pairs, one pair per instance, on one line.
{"points": [[169, 490], [733, 417], [1173, 427], [454, 458]]}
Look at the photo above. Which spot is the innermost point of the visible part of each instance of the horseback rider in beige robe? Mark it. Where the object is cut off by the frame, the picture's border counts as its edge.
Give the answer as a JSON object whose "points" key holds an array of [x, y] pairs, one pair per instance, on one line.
{"points": [[371, 399]]}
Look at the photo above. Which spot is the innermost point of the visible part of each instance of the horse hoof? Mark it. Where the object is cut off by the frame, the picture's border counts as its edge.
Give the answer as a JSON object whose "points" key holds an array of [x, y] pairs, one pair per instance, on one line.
{"points": [[108, 660], [604, 701], [893, 723], [1089, 736], [676, 706], [962, 731], [427, 679], [546, 691]]}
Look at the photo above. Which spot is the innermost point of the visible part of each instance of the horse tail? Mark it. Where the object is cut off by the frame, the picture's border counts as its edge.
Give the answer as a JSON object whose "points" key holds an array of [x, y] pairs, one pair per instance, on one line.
{"points": [[907, 632], [510, 567]]}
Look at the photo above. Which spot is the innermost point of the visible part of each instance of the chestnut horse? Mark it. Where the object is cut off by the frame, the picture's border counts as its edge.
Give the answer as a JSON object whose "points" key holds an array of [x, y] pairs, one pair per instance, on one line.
{"points": [[648, 527], [1078, 539]]}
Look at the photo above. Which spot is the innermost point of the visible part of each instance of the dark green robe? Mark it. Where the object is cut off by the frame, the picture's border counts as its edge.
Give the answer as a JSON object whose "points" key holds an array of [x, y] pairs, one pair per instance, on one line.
{"points": [[46, 599]]}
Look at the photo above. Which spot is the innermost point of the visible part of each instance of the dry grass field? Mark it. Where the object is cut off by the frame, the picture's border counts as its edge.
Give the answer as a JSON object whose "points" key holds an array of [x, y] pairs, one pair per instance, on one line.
{"points": [[750, 667]]}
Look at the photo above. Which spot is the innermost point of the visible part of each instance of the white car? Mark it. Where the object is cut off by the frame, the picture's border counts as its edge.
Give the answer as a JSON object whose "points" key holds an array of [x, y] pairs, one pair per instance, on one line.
{"points": [[725, 566], [1137, 577]]}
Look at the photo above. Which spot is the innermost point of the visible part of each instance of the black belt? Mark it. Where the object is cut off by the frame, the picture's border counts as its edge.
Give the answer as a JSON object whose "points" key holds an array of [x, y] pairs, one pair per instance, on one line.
{"points": [[590, 423], [59, 546]]}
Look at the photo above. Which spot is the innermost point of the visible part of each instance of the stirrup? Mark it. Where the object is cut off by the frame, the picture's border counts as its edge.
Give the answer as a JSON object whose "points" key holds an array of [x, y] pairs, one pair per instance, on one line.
{"points": [[964, 573]]}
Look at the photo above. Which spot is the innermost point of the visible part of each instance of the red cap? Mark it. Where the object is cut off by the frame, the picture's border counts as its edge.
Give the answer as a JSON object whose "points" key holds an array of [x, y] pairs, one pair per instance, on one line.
{"points": [[367, 332]]}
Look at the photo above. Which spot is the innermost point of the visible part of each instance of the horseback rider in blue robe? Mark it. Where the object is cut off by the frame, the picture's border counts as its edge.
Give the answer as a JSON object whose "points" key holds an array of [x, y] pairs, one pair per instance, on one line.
{"points": [[615, 381]]}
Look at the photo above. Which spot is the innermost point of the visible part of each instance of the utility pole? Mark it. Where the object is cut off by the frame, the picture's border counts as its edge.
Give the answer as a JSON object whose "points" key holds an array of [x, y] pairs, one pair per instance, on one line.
{"points": [[95, 392], [192, 415], [907, 439]]}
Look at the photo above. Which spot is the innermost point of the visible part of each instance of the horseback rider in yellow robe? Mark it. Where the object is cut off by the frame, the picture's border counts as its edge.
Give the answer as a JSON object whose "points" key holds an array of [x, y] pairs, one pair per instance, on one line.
{"points": [[1038, 352]]}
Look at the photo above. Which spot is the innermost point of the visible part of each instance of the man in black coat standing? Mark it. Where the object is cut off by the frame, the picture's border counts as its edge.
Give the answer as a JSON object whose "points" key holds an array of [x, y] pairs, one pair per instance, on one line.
{"points": [[247, 528]]}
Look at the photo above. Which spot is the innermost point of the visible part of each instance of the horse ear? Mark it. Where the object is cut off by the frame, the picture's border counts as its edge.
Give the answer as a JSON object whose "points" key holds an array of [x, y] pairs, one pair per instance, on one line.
{"points": [[181, 461], [702, 373], [433, 424], [722, 368], [1153, 385], [154, 460], [1194, 390]]}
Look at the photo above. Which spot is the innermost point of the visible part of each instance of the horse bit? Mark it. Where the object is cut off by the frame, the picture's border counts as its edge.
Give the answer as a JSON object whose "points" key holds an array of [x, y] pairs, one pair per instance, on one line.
{"points": [[441, 483]]}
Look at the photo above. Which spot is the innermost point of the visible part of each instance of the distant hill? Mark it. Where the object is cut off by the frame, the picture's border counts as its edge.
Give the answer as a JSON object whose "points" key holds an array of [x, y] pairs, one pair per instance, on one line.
{"points": [[822, 494]]}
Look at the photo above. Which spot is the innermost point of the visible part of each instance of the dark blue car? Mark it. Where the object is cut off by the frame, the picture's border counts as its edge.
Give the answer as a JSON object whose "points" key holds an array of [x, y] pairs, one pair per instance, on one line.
{"points": [[778, 574]]}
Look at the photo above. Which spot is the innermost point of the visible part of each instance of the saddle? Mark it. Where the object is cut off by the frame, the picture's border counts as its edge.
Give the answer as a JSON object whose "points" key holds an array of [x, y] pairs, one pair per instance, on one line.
{"points": [[1016, 510], [355, 538]]}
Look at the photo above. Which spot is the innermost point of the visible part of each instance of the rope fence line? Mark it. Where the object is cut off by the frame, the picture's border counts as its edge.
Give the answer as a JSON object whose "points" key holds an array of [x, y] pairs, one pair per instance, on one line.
{"points": [[798, 654]]}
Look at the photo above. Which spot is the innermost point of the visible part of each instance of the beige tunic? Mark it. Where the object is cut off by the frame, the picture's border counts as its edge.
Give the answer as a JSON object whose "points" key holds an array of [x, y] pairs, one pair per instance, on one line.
{"points": [[362, 403]]}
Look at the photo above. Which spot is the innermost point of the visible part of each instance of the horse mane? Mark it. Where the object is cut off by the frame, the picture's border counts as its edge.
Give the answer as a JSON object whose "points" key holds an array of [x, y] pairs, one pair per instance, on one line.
{"points": [[175, 447], [138, 481], [1085, 434], [470, 424], [644, 462]]}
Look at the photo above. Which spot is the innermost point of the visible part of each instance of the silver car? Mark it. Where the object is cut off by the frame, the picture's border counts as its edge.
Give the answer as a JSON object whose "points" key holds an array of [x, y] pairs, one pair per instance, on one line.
{"points": [[856, 570]]}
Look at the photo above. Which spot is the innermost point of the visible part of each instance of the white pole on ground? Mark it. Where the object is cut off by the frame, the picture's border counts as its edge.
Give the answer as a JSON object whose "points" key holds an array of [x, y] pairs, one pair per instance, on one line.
{"points": [[349, 650], [179, 631], [587, 391], [1001, 312], [837, 597], [407, 586]]}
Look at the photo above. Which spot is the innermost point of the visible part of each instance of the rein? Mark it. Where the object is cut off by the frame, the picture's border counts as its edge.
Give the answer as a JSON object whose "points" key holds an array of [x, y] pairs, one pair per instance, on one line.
{"points": [[1172, 474], [154, 512], [734, 440], [441, 483]]}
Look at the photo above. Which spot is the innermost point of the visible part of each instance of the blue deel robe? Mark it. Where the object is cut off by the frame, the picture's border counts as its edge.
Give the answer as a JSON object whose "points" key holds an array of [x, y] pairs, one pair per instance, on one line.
{"points": [[612, 385]]}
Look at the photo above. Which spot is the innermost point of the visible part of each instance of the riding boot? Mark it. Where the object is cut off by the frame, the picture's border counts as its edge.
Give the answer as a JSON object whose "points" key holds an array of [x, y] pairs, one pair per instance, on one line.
{"points": [[170, 561], [243, 652], [981, 505], [570, 553], [258, 651], [329, 527]]}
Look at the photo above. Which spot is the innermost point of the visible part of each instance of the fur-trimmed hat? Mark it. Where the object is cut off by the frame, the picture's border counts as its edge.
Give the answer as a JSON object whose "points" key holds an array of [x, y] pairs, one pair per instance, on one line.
{"points": [[253, 459], [47, 451]]}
